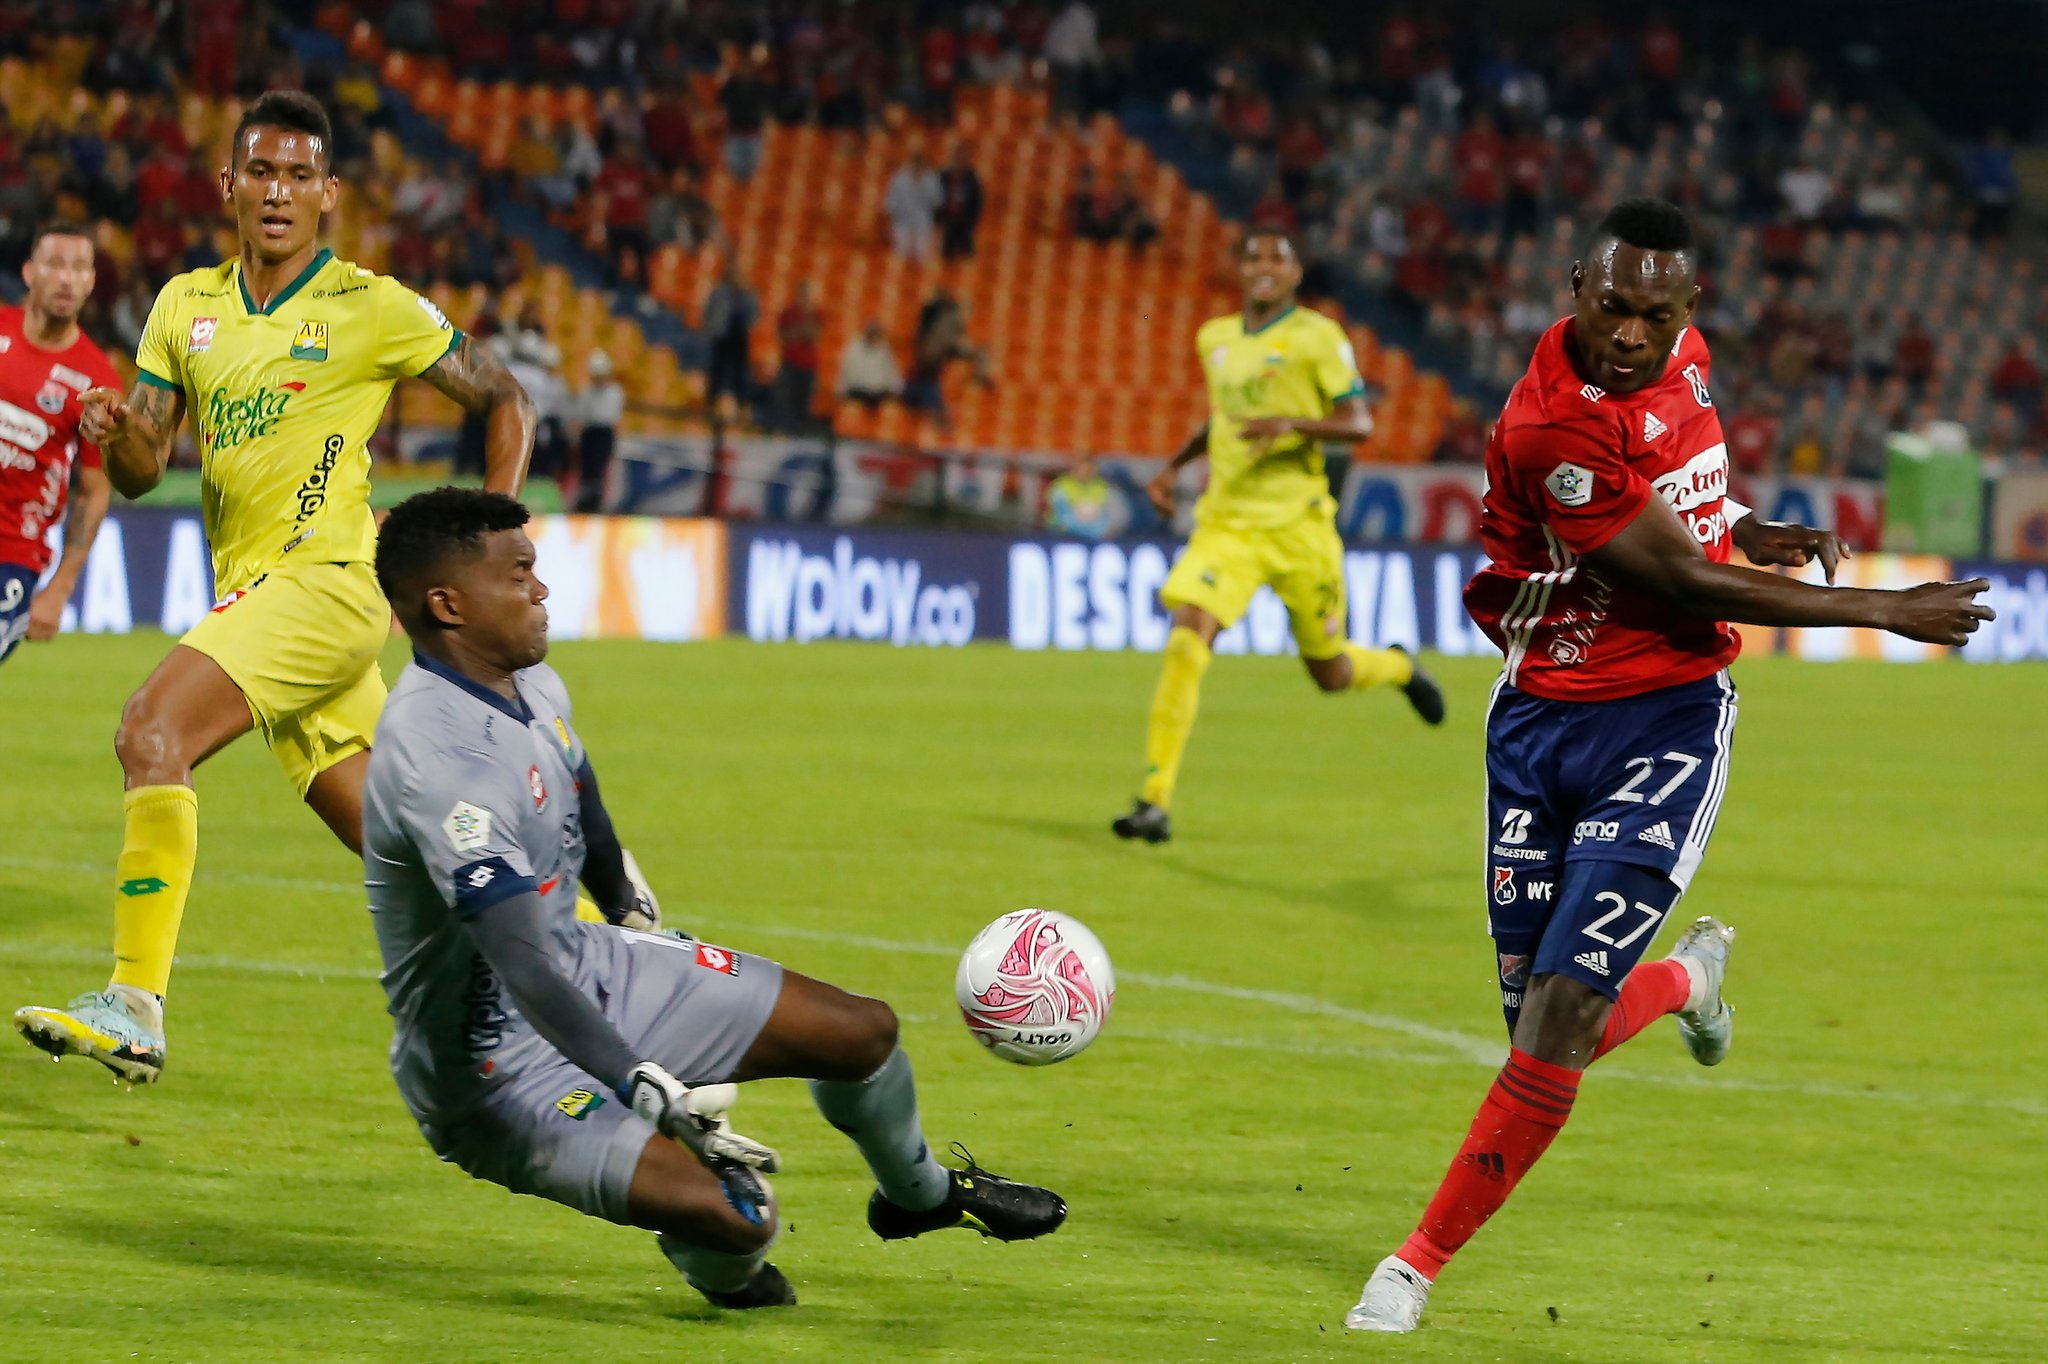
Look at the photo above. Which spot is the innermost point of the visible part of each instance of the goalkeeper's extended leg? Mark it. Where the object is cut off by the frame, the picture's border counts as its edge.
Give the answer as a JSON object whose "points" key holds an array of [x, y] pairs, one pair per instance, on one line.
{"points": [[845, 1044]]}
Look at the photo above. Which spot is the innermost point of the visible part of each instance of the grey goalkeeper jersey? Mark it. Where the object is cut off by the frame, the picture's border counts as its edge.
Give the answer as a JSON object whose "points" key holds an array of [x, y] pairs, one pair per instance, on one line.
{"points": [[471, 799]]}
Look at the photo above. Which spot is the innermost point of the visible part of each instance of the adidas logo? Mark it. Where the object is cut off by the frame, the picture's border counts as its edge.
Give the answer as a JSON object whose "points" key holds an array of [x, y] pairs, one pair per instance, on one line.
{"points": [[1652, 428], [1593, 961], [1659, 834]]}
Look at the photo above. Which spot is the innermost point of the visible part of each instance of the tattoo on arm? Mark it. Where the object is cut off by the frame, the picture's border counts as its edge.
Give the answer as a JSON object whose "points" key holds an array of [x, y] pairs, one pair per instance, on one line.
{"points": [[471, 376], [155, 413]]}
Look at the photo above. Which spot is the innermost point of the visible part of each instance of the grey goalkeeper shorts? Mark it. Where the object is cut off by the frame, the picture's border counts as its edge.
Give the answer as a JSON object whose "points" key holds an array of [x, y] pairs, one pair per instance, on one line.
{"points": [[551, 1130]]}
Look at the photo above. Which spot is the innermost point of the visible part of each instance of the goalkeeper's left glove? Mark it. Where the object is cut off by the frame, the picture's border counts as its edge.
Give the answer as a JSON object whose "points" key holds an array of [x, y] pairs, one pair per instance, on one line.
{"points": [[641, 911], [695, 1116]]}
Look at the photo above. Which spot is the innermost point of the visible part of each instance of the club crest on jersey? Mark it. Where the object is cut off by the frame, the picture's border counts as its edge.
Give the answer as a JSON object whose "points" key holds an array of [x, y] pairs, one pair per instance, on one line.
{"points": [[1503, 885], [538, 787], [50, 397], [200, 339], [1652, 428], [1699, 386], [1571, 485], [311, 341]]}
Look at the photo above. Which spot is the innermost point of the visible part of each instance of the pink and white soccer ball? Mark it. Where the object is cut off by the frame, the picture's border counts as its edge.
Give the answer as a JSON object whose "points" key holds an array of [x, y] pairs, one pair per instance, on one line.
{"points": [[1035, 986]]}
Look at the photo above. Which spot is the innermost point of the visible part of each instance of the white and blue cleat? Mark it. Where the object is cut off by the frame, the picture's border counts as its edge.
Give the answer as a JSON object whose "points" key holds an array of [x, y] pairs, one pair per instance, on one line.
{"points": [[99, 1024], [1708, 1023]]}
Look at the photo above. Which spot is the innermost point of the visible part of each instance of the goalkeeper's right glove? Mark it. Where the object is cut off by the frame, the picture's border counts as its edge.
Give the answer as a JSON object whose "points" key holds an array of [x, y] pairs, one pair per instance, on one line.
{"points": [[694, 1116]]}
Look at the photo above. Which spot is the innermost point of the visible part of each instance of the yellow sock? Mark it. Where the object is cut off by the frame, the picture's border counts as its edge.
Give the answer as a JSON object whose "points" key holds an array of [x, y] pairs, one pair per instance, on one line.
{"points": [[1378, 667], [1173, 713], [158, 851], [587, 910]]}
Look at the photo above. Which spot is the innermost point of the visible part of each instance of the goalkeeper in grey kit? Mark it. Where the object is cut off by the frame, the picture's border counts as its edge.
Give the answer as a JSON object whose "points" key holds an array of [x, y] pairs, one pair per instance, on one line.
{"points": [[594, 1064]]}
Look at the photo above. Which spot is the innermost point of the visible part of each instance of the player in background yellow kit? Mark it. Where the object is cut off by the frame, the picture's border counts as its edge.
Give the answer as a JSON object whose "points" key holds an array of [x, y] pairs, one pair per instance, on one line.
{"points": [[283, 358], [1282, 380]]}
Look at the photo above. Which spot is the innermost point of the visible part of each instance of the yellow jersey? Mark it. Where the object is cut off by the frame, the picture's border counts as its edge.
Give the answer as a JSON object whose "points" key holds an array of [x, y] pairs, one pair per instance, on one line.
{"points": [[283, 401], [1298, 365]]}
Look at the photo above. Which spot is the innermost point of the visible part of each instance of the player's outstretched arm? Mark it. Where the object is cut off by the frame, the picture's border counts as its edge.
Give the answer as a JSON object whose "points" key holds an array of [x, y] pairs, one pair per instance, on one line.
{"points": [[512, 935], [478, 381], [1655, 552], [134, 434], [81, 525]]}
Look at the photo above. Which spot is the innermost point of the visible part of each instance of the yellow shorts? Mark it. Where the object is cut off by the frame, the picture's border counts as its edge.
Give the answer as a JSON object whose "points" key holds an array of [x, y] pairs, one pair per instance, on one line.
{"points": [[1302, 561], [302, 645]]}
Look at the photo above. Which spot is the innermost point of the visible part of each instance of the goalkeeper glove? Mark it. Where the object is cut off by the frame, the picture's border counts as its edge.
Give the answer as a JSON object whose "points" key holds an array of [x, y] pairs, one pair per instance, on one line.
{"points": [[641, 911], [694, 1116]]}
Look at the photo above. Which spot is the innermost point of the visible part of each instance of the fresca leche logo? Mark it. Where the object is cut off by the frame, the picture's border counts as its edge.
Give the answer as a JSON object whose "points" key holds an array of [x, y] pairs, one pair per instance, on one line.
{"points": [[233, 419]]}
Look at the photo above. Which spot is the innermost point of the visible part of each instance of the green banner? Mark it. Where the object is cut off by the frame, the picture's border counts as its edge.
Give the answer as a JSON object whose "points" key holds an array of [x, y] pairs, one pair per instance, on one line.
{"points": [[1933, 498]]}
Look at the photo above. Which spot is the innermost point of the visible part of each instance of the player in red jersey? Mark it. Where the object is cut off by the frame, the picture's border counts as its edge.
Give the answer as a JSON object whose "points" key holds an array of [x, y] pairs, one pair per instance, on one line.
{"points": [[46, 362], [1609, 528]]}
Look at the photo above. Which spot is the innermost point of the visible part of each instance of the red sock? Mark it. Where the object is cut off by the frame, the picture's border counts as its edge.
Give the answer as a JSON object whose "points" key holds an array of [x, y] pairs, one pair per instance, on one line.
{"points": [[1652, 990], [1528, 1103]]}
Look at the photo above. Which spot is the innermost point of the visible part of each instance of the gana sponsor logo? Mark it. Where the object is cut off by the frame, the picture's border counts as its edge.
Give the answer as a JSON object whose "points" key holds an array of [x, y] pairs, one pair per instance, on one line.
{"points": [[846, 595]]}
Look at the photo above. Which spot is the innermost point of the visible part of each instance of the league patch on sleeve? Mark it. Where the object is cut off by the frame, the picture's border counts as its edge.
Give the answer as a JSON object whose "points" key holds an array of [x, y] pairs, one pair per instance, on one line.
{"points": [[467, 827], [1570, 485]]}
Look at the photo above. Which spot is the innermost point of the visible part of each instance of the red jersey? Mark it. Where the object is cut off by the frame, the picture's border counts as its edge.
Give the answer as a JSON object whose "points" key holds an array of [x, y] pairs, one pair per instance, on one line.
{"points": [[1568, 466], [39, 411]]}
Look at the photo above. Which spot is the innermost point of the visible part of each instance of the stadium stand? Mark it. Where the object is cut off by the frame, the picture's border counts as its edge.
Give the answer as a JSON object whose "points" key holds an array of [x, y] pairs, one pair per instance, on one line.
{"points": [[1857, 279]]}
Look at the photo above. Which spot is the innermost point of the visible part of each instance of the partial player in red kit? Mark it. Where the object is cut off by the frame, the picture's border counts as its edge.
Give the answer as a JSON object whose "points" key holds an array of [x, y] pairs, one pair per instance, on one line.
{"points": [[46, 362], [1608, 529]]}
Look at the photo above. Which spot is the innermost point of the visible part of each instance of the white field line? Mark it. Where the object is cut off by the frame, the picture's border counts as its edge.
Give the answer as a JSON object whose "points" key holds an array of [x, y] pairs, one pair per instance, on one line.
{"points": [[1451, 1048]]}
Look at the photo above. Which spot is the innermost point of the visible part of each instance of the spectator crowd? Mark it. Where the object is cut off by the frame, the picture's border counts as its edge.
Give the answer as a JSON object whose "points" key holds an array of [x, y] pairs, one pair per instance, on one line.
{"points": [[1858, 280]]}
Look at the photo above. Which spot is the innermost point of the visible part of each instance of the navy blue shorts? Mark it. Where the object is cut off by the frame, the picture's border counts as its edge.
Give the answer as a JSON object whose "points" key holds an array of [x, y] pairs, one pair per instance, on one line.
{"points": [[1622, 792], [17, 591]]}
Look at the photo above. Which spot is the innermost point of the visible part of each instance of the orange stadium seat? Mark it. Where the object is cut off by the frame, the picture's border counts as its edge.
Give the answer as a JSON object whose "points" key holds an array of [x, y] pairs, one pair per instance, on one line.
{"points": [[1091, 343]]}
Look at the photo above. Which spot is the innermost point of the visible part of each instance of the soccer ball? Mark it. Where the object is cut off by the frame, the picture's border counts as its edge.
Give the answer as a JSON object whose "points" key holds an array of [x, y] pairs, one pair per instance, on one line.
{"points": [[1035, 986]]}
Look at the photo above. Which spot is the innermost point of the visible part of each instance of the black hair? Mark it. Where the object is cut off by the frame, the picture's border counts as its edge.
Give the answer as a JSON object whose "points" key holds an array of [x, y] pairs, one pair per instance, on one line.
{"points": [[294, 109], [59, 228], [427, 529], [1253, 234], [1647, 224]]}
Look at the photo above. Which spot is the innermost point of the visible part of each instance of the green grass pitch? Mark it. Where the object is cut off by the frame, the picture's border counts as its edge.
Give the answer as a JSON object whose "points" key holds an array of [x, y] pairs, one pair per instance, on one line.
{"points": [[1306, 1021]]}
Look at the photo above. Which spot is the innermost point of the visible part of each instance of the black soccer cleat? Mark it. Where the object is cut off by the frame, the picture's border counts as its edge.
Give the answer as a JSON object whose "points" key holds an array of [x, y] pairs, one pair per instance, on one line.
{"points": [[988, 1203], [766, 1289], [1424, 694], [1146, 821]]}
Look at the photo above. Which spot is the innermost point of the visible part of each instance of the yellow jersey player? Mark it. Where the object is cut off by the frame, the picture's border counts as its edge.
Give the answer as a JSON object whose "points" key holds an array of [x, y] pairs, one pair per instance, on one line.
{"points": [[1282, 380], [283, 358]]}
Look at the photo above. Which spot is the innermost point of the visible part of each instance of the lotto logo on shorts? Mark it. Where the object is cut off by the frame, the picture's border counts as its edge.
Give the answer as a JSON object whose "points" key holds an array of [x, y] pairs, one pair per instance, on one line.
{"points": [[718, 959]]}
